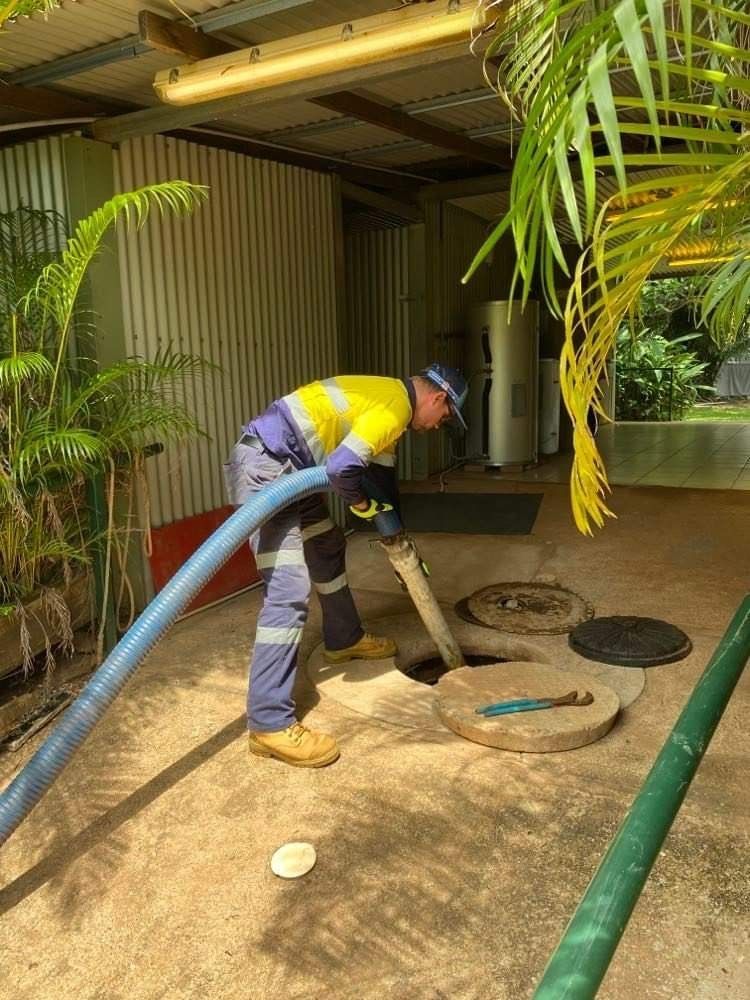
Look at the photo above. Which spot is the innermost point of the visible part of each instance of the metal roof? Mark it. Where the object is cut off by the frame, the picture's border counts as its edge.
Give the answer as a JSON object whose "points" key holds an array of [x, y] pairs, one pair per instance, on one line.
{"points": [[462, 100], [77, 25]]}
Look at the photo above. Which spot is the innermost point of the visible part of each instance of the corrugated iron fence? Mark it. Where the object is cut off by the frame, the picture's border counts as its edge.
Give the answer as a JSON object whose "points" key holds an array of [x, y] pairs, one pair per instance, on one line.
{"points": [[248, 282], [378, 314]]}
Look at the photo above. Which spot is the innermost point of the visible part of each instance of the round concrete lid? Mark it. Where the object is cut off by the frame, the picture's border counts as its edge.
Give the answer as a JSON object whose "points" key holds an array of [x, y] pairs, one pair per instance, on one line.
{"points": [[527, 607], [293, 860], [460, 692]]}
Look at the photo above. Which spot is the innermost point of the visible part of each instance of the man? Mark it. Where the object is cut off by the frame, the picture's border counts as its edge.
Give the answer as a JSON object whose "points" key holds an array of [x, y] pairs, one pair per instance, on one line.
{"points": [[350, 425]]}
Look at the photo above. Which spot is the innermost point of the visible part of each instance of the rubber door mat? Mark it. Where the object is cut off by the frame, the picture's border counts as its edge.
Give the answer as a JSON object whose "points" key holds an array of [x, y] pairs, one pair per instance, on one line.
{"points": [[467, 513]]}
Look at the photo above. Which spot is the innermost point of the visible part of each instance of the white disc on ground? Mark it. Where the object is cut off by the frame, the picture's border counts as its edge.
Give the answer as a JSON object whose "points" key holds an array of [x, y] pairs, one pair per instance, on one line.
{"points": [[293, 860]]}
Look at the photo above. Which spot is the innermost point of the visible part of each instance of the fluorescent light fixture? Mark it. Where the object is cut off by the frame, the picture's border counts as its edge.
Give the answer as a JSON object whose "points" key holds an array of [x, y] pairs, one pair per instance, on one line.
{"points": [[382, 37]]}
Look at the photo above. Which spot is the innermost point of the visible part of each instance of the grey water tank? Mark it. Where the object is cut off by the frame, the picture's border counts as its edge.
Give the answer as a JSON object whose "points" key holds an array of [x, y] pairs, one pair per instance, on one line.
{"points": [[502, 365]]}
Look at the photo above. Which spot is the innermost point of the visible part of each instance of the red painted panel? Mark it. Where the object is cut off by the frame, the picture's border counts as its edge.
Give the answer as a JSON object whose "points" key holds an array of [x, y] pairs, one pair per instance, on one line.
{"points": [[173, 543]]}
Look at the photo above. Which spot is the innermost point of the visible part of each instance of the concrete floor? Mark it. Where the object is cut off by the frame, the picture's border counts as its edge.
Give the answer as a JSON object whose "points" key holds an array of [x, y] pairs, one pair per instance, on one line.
{"points": [[697, 455], [445, 869]]}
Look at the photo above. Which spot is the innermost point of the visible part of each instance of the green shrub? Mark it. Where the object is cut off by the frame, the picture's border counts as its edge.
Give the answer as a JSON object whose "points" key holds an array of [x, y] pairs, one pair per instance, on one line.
{"points": [[657, 379]]}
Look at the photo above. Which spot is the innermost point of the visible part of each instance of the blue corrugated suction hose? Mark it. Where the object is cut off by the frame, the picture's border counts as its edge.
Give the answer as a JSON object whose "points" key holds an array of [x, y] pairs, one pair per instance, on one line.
{"points": [[27, 788]]}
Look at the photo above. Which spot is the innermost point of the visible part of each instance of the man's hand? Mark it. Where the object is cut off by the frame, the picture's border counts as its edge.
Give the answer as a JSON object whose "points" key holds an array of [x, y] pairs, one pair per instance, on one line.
{"points": [[368, 509]]}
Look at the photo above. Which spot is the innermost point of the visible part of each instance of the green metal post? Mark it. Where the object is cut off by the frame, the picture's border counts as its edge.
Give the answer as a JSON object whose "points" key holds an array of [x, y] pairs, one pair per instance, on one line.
{"points": [[581, 959]]}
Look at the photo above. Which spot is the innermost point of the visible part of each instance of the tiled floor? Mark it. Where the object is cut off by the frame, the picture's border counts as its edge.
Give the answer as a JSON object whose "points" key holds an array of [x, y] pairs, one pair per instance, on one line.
{"points": [[697, 455]]}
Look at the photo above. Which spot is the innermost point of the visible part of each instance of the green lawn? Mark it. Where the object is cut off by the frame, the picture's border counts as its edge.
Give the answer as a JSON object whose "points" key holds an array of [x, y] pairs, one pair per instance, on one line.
{"points": [[720, 411]]}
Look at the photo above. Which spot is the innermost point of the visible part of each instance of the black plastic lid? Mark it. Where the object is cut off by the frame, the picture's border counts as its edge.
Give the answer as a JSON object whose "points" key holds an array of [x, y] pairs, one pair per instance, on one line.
{"points": [[628, 641]]}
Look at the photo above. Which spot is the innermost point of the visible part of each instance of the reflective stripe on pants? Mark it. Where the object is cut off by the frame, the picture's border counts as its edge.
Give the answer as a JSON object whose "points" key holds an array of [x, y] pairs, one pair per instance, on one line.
{"points": [[296, 545]]}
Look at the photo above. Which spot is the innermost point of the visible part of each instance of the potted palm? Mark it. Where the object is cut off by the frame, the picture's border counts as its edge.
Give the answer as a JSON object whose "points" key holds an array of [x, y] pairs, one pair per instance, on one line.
{"points": [[633, 125], [65, 420]]}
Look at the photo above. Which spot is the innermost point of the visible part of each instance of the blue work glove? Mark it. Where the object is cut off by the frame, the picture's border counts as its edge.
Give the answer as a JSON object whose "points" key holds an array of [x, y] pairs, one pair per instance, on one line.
{"points": [[376, 507]]}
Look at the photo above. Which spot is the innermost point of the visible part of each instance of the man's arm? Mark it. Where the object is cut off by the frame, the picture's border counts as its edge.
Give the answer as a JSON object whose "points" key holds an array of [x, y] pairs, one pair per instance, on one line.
{"points": [[369, 443]]}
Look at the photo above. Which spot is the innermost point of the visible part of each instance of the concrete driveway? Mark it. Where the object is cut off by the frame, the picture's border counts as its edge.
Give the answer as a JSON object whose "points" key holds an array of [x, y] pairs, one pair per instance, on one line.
{"points": [[446, 870]]}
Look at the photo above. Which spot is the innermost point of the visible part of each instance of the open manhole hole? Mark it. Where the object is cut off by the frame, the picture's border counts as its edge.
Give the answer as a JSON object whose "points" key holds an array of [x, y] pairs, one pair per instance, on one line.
{"points": [[430, 671], [527, 608]]}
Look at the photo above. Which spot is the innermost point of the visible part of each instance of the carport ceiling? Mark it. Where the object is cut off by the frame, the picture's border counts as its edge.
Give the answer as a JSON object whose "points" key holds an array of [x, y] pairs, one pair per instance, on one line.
{"points": [[93, 63], [422, 127]]}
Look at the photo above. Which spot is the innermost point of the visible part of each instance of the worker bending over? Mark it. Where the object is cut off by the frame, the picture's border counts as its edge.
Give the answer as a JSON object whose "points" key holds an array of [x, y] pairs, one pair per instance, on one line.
{"points": [[350, 425]]}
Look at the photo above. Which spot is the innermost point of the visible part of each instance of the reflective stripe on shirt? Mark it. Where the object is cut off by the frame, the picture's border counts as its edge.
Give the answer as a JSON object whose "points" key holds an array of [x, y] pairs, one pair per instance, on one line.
{"points": [[336, 394], [361, 448], [306, 426]]}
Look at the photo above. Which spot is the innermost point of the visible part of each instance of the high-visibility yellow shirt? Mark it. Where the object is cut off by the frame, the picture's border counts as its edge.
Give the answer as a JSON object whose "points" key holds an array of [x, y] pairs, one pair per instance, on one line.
{"points": [[344, 423]]}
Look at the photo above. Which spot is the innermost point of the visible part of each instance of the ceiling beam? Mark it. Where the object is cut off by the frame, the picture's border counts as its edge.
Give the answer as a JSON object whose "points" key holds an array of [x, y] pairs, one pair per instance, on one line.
{"points": [[413, 108], [253, 146], [43, 102], [243, 10], [394, 120], [496, 183], [447, 190], [161, 34], [78, 62], [46, 104], [168, 117], [382, 202]]}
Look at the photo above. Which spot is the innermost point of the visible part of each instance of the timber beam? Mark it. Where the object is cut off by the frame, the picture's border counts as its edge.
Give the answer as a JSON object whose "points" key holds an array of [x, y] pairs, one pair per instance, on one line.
{"points": [[395, 120], [381, 202], [161, 34]]}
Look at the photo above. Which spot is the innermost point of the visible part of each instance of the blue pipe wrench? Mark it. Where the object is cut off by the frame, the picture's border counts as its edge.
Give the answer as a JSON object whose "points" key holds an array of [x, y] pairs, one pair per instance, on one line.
{"points": [[532, 704]]}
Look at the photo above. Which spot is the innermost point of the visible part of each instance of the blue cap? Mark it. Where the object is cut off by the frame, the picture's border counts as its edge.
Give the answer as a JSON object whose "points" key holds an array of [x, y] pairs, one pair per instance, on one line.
{"points": [[453, 385]]}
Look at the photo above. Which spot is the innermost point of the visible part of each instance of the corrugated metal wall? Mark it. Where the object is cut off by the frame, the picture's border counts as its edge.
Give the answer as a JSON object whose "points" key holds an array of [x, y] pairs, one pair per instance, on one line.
{"points": [[378, 313], [248, 282], [33, 174], [453, 237], [406, 305]]}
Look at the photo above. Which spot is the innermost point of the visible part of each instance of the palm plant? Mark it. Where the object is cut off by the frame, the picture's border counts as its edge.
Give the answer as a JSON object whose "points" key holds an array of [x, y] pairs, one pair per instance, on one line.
{"points": [[63, 419], [653, 96], [11, 9]]}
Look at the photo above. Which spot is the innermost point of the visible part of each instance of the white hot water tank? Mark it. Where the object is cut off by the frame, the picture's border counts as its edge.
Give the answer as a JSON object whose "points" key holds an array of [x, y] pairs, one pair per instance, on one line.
{"points": [[502, 366]]}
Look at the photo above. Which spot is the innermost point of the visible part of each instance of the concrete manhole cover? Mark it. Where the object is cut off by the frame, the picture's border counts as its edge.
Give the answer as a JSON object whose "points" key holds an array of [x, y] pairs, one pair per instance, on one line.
{"points": [[526, 608], [460, 692], [386, 689]]}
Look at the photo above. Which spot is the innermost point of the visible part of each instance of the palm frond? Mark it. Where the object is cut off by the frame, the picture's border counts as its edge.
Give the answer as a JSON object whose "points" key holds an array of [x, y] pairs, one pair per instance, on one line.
{"points": [[24, 366], [614, 89], [71, 450], [623, 254], [11, 9], [57, 288]]}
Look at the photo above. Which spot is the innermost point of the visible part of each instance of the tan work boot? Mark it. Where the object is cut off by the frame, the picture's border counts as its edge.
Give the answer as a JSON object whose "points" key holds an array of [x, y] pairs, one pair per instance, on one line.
{"points": [[296, 745], [369, 647]]}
